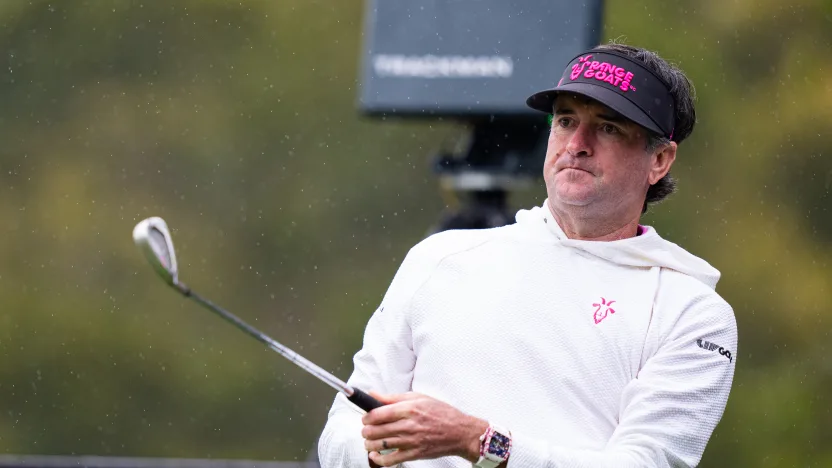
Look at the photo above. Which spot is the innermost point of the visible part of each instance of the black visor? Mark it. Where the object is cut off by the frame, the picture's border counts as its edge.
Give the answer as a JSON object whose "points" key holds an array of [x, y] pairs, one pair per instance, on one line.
{"points": [[620, 83]]}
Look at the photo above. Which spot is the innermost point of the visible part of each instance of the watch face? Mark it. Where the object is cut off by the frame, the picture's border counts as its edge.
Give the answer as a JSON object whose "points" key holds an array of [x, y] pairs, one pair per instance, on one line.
{"points": [[499, 445]]}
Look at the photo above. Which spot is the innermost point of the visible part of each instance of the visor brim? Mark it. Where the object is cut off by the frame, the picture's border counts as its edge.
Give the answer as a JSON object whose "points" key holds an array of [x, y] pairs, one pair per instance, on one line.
{"points": [[544, 101]]}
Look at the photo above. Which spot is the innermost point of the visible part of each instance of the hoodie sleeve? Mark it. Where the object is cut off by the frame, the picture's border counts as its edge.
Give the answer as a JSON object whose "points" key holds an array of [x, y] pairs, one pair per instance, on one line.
{"points": [[385, 362], [670, 409]]}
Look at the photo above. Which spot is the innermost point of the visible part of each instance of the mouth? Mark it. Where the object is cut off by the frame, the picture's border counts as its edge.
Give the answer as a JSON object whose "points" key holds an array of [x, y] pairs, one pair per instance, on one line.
{"points": [[574, 169]]}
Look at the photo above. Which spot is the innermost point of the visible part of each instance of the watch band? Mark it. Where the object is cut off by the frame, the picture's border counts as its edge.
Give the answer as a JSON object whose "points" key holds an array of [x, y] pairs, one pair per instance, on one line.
{"points": [[495, 447]]}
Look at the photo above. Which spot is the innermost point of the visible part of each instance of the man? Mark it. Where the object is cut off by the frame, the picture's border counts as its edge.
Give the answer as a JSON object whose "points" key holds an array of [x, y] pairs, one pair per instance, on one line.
{"points": [[573, 338]]}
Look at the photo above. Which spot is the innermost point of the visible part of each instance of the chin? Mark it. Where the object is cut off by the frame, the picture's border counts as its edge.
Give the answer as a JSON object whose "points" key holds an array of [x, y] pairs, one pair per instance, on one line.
{"points": [[574, 196], [572, 201]]}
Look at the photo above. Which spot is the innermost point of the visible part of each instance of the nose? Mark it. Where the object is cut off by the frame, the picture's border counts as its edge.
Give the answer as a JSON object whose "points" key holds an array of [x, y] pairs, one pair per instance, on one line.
{"points": [[580, 141]]}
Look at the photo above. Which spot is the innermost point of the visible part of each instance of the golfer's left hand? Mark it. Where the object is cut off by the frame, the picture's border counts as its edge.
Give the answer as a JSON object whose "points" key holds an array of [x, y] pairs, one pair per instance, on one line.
{"points": [[420, 428]]}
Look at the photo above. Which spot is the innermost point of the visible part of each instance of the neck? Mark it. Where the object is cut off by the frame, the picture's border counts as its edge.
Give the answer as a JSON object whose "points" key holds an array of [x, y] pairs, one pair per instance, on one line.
{"points": [[578, 226]]}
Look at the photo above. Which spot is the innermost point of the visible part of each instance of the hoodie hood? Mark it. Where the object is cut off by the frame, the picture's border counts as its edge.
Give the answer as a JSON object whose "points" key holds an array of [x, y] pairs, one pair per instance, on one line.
{"points": [[647, 250]]}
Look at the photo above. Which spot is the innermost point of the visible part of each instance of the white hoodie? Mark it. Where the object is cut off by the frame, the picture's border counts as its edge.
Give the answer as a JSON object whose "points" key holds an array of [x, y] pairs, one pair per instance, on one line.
{"points": [[593, 354]]}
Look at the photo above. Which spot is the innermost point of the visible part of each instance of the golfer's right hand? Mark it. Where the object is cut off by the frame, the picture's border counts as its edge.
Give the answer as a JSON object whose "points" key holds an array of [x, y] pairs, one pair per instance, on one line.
{"points": [[419, 428]]}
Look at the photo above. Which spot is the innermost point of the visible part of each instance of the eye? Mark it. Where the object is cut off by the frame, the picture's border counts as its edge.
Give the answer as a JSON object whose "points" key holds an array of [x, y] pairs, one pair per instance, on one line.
{"points": [[564, 122], [610, 129]]}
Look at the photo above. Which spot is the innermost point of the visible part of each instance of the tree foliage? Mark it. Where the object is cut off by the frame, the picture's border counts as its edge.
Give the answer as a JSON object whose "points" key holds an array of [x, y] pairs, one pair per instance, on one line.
{"points": [[237, 123]]}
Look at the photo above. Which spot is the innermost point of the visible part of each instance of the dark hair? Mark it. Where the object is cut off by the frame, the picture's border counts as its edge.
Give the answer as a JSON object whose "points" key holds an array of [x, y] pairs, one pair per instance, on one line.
{"points": [[683, 94]]}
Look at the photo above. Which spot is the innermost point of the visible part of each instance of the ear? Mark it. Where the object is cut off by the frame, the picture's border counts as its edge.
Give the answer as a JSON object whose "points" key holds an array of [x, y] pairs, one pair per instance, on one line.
{"points": [[661, 162]]}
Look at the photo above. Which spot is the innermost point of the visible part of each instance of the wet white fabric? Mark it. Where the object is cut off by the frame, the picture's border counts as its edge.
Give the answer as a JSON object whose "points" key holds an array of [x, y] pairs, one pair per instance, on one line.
{"points": [[593, 354]]}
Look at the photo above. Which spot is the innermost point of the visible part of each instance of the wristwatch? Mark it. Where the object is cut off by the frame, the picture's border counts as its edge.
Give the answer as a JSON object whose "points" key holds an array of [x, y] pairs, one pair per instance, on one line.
{"points": [[495, 446]]}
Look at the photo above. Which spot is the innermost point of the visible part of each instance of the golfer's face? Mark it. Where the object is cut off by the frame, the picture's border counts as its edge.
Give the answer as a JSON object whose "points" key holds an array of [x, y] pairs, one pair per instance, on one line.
{"points": [[595, 157]]}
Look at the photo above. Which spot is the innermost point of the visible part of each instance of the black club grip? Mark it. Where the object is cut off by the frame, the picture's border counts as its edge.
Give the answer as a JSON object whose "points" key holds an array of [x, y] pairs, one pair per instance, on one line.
{"points": [[363, 400]]}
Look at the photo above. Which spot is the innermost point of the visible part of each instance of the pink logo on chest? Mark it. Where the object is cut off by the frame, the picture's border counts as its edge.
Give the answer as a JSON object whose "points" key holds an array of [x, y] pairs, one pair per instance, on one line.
{"points": [[602, 310]]}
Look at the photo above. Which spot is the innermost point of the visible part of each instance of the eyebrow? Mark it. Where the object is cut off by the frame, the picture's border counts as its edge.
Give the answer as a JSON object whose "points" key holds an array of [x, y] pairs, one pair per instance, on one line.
{"points": [[608, 114], [613, 117]]}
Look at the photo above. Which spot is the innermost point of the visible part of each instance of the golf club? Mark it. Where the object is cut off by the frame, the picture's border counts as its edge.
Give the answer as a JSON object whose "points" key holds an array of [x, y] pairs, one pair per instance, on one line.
{"points": [[153, 238]]}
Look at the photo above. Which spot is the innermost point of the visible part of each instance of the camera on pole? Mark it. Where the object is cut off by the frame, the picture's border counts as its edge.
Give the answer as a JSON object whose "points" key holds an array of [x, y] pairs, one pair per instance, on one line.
{"points": [[474, 62]]}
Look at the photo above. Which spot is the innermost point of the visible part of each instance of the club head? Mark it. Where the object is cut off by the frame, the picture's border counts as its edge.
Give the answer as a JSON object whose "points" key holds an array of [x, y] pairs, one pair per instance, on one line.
{"points": [[153, 238]]}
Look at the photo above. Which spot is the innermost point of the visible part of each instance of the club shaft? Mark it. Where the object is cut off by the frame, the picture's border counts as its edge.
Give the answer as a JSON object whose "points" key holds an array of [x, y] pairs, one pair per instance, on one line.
{"points": [[296, 358]]}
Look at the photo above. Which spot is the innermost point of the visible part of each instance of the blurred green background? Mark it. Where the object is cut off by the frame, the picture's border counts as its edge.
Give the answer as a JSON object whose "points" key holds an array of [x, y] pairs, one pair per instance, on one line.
{"points": [[236, 122]]}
